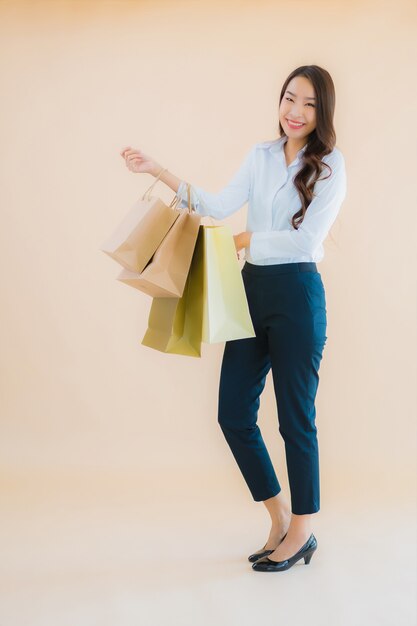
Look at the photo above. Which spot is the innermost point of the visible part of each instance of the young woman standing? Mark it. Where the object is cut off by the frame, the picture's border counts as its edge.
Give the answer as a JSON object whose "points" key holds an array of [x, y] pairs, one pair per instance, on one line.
{"points": [[294, 186]]}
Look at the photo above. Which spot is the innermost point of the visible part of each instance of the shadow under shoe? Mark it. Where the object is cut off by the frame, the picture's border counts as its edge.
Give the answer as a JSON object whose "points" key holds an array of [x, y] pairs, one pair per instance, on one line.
{"points": [[259, 555]]}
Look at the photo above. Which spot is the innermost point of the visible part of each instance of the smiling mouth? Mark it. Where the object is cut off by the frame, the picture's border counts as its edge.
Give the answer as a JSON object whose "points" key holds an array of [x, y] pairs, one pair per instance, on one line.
{"points": [[298, 124]]}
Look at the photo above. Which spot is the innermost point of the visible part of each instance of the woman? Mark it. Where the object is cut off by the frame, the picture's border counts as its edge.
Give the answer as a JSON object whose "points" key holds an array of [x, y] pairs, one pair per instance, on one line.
{"points": [[294, 186]]}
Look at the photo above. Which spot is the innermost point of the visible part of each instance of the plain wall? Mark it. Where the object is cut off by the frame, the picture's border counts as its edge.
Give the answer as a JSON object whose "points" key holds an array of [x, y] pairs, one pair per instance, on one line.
{"points": [[195, 85]]}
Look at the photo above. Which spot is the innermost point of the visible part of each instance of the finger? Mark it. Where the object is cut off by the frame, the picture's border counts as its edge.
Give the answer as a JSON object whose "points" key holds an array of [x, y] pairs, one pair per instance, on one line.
{"points": [[132, 151], [129, 152], [124, 150]]}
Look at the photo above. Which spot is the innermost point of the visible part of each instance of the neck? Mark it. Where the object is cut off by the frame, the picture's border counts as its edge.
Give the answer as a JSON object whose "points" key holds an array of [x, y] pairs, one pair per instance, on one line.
{"points": [[294, 145]]}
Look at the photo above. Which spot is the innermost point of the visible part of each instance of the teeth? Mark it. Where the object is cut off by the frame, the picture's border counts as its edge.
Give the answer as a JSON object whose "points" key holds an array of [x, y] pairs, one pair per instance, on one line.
{"points": [[295, 123]]}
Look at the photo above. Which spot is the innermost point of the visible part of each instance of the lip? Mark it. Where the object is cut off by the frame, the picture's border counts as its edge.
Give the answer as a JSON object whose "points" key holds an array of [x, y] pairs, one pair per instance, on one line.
{"points": [[290, 122]]}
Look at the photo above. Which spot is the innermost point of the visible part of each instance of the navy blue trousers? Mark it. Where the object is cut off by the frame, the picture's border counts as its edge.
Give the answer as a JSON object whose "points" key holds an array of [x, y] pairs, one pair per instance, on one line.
{"points": [[287, 305]]}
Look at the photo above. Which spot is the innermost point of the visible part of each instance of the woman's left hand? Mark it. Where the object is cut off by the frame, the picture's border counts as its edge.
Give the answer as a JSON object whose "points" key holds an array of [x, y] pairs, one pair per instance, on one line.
{"points": [[242, 240]]}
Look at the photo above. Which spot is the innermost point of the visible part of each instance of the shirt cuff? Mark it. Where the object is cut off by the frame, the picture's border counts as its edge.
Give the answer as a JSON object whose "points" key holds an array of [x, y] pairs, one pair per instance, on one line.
{"points": [[182, 193], [255, 246]]}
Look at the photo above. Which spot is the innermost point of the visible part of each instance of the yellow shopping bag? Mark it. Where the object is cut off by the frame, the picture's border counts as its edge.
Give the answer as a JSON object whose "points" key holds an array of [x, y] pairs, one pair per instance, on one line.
{"points": [[226, 313]]}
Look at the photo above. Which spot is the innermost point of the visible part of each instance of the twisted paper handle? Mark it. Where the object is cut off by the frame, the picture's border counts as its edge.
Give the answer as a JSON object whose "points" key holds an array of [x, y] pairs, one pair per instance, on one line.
{"points": [[202, 202], [176, 200], [148, 191]]}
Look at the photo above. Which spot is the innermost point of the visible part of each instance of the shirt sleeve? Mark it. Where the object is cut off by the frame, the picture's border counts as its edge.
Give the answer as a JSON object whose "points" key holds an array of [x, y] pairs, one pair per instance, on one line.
{"points": [[226, 201], [322, 211]]}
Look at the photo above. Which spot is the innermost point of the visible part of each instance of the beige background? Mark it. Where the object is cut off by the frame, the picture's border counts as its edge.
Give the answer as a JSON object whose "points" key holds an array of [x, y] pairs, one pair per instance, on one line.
{"points": [[121, 501]]}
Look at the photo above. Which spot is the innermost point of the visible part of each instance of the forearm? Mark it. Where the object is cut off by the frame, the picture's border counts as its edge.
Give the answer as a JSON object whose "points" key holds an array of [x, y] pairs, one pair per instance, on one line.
{"points": [[167, 177], [218, 205]]}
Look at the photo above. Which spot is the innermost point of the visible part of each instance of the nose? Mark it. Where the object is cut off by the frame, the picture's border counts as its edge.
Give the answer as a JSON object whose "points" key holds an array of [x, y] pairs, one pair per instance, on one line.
{"points": [[296, 114]]}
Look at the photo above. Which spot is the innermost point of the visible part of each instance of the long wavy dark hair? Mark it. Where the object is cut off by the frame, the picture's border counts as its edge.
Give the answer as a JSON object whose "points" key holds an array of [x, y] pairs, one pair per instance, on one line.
{"points": [[320, 141]]}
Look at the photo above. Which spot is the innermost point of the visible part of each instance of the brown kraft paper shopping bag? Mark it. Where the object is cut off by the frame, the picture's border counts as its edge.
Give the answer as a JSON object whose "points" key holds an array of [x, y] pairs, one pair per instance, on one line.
{"points": [[166, 273], [138, 236]]}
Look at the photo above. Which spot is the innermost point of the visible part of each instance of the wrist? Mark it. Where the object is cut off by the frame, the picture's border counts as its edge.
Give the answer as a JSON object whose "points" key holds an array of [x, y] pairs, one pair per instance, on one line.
{"points": [[157, 169]]}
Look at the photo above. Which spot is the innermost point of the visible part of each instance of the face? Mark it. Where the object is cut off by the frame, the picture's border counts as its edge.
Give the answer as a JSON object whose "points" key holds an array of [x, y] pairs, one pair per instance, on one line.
{"points": [[298, 104]]}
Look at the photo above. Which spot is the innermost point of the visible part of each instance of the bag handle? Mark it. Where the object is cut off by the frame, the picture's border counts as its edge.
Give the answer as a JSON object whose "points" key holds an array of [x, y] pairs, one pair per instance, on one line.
{"points": [[176, 199], [189, 204], [148, 191]]}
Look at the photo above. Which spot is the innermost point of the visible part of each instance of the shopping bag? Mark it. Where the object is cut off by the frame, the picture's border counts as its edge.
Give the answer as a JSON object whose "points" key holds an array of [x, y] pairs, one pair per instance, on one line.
{"points": [[175, 324], [226, 313], [137, 237], [166, 273]]}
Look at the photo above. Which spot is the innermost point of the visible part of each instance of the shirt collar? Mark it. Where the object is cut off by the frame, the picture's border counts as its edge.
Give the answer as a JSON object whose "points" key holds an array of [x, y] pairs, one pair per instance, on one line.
{"points": [[277, 148]]}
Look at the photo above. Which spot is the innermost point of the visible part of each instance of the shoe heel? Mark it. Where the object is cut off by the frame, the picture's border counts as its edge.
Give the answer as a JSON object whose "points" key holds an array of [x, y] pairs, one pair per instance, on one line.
{"points": [[307, 557]]}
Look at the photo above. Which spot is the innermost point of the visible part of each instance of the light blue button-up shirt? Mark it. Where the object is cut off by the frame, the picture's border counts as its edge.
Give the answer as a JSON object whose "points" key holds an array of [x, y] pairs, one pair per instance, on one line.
{"points": [[266, 182]]}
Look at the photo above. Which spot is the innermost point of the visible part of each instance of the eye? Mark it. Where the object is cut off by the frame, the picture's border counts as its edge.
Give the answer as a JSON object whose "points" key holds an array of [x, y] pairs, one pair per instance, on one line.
{"points": [[310, 103]]}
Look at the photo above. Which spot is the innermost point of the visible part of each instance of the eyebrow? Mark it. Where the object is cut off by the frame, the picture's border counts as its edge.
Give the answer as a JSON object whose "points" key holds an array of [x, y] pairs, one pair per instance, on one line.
{"points": [[293, 94]]}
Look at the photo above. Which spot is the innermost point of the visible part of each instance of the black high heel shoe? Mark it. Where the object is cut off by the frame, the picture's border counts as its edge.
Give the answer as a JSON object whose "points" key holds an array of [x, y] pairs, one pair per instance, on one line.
{"points": [[265, 564], [259, 555]]}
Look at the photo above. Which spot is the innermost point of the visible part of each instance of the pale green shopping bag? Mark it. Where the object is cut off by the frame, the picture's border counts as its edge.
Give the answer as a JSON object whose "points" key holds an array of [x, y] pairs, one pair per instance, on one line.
{"points": [[226, 313]]}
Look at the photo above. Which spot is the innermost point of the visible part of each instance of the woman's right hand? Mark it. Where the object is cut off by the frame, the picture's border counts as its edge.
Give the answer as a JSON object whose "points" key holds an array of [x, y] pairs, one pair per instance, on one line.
{"points": [[139, 162]]}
